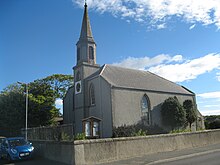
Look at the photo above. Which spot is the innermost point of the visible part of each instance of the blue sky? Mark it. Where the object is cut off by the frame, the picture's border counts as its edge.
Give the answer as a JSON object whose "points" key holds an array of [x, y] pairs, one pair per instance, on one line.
{"points": [[178, 40]]}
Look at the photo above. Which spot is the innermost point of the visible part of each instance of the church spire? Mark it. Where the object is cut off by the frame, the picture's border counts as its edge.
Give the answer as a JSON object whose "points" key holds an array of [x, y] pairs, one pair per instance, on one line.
{"points": [[86, 32], [86, 46]]}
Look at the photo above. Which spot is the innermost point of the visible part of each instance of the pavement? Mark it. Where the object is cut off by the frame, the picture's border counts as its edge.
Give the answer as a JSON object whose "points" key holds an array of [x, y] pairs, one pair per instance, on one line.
{"points": [[167, 157]]}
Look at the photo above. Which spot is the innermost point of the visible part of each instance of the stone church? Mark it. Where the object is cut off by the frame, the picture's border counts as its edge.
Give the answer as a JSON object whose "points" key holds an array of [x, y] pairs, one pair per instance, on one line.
{"points": [[108, 96]]}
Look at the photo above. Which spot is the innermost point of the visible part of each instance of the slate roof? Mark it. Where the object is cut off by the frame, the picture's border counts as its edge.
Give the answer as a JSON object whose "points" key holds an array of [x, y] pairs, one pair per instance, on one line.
{"points": [[138, 79]]}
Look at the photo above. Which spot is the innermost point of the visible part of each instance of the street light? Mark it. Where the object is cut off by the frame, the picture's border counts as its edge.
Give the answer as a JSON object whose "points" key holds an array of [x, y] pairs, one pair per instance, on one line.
{"points": [[26, 84]]}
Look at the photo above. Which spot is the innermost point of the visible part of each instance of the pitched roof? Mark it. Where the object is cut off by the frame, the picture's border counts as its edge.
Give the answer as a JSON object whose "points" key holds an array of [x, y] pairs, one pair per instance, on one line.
{"points": [[139, 79]]}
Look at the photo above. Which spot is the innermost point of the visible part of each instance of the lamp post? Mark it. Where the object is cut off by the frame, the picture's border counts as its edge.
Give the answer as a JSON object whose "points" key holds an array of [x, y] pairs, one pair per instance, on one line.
{"points": [[26, 117]]}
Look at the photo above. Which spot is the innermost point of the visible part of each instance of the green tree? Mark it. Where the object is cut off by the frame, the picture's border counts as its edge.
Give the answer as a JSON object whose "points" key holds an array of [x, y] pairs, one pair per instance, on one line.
{"points": [[190, 112], [173, 114], [214, 124], [12, 110], [59, 83], [41, 102], [211, 122], [42, 108]]}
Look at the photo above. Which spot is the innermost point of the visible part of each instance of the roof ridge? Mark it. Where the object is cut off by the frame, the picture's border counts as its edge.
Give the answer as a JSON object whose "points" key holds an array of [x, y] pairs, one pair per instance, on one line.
{"points": [[122, 76]]}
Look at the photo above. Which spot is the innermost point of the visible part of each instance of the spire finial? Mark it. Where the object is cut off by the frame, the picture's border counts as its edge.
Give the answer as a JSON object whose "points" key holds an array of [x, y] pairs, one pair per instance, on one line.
{"points": [[85, 4]]}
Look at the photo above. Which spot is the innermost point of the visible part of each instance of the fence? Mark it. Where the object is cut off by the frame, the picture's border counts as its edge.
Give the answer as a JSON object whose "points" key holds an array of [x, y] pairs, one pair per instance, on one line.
{"points": [[55, 133]]}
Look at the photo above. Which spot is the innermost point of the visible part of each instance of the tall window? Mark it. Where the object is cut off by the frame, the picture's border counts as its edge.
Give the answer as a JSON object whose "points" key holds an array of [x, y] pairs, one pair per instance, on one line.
{"points": [[145, 108], [92, 94], [91, 53], [78, 54]]}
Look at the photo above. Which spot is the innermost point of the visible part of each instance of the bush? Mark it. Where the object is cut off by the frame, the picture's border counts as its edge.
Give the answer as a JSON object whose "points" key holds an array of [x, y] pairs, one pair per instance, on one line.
{"points": [[173, 114], [180, 131], [124, 131], [80, 136], [214, 124], [139, 129], [211, 122], [140, 133], [65, 137], [191, 115]]}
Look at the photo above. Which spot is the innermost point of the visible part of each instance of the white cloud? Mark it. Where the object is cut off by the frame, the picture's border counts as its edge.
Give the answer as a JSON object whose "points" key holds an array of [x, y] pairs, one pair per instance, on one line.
{"points": [[192, 27], [59, 105], [188, 70], [161, 26], [209, 103], [174, 68], [211, 106], [218, 76], [145, 62], [158, 12], [210, 112], [210, 95], [59, 102]]}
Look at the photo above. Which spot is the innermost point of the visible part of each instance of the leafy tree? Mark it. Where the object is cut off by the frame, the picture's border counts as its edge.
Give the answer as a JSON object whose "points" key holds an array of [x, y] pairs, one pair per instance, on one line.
{"points": [[173, 114], [59, 83], [12, 110], [41, 102], [42, 108], [212, 122], [190, 112]]}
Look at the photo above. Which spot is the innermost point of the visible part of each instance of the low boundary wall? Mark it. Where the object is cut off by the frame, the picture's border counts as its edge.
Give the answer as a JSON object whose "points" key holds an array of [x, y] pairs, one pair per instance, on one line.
{"points": [[104, 150], [54, 150]]}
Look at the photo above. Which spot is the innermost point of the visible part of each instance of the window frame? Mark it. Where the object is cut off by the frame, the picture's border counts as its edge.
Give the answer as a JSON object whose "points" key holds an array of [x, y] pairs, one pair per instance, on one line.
{"points": [[91, 53], [92, 95], [146, 109]]}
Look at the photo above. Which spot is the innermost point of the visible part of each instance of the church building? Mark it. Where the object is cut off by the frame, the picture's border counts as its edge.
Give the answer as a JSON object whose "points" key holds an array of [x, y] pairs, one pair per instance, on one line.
{"points": [[108, 96]]}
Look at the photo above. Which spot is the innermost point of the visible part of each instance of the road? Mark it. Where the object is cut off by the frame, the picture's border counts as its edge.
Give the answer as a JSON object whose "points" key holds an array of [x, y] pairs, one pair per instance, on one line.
{"points": [[35, 161], [204, 159], [207, 155]]}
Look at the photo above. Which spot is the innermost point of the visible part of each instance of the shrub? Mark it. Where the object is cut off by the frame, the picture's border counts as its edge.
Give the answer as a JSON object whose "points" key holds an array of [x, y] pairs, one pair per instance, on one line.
{"points": [[80, 136], [190, 112], [173, 114], [139, 129], [65, 137], [214, 124], [180, 130]]}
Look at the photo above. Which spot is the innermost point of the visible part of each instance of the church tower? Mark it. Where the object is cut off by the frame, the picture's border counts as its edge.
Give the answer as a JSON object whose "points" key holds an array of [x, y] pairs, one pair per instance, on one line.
{"points": [[85, 66], [86, 46]]}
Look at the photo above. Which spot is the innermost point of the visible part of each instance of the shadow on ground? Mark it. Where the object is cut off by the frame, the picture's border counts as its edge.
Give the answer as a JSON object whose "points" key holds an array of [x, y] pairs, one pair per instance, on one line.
{"points": [[34, 161]]}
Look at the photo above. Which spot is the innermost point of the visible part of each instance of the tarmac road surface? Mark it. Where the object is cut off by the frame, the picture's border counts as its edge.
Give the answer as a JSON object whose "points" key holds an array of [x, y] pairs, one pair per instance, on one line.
{"points": [[206, 155], [35, 161]]}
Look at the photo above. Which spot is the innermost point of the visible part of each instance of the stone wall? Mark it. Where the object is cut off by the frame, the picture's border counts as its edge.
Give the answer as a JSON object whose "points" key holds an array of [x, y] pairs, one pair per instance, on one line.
{"points": [[57, 151], [105, 150]]}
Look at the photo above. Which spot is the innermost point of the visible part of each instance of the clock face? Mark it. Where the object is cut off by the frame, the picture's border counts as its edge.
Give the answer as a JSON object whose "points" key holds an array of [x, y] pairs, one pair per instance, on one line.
{"points": [[78, 87]]}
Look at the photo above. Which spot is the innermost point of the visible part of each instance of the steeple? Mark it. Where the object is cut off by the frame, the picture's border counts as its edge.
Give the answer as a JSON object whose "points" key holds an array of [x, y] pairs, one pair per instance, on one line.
{"points": [[86, 32], [86, 46]]}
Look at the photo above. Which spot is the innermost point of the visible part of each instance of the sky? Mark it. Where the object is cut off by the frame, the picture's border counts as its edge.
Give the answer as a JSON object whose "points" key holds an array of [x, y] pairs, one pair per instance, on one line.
{"points": [[178, 40]]}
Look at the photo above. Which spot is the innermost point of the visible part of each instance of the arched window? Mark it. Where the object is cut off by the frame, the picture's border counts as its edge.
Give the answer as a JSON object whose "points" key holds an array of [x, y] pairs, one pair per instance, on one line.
{"points": [[145, 108], [91, 53], [78, 76], [92, 94], [78, 54]]}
